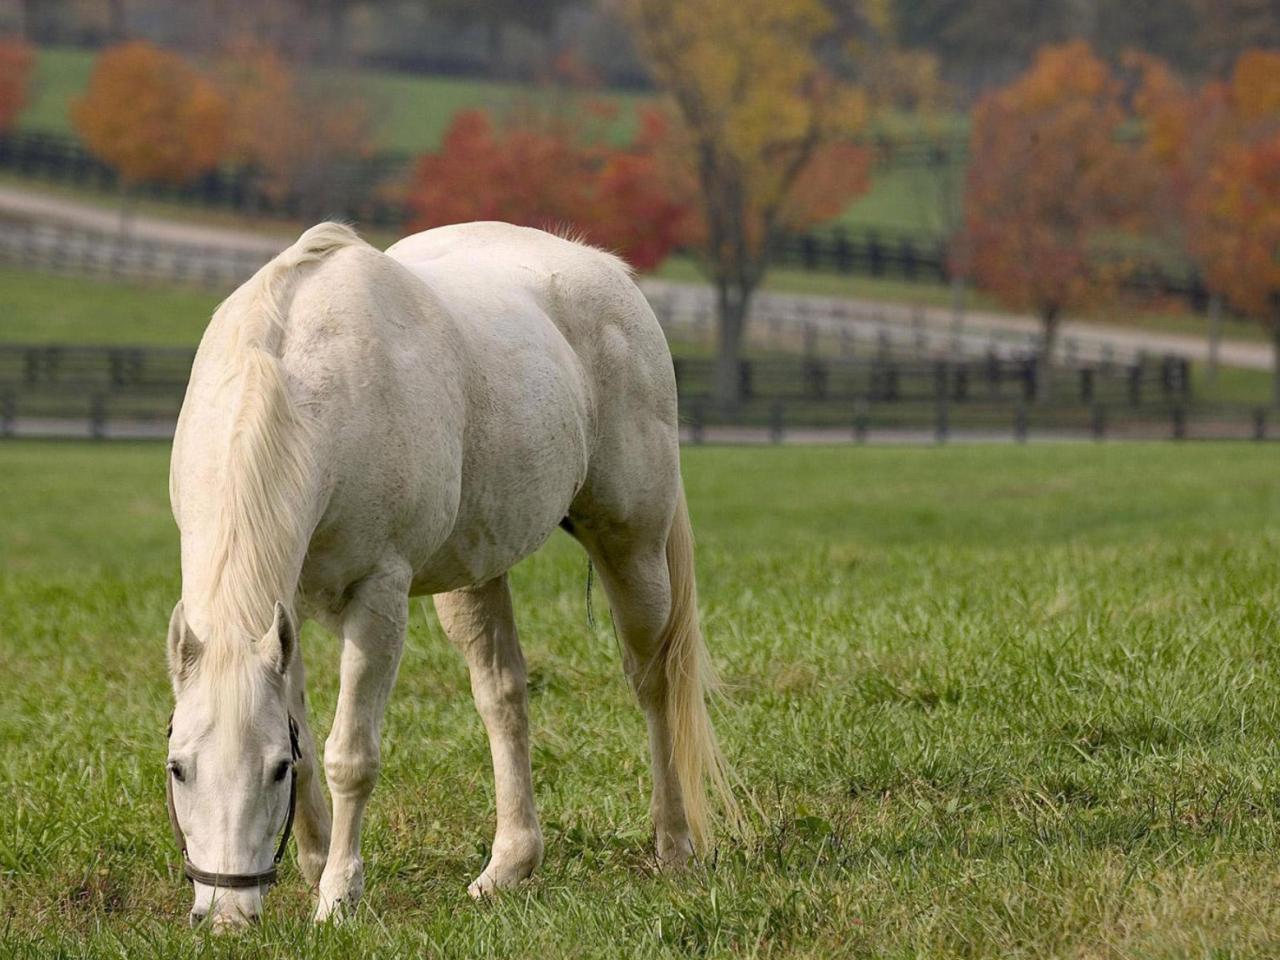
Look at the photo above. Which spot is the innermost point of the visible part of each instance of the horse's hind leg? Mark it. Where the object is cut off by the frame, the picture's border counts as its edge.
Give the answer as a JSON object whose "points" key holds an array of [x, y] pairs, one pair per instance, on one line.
{"points": [[480, 622], [633, 568]]}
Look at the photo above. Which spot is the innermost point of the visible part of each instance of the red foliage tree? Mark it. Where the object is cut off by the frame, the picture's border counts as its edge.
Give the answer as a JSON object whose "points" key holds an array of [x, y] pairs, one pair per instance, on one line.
{"points": [[545, 172], [16, 59], [1048, 176]]}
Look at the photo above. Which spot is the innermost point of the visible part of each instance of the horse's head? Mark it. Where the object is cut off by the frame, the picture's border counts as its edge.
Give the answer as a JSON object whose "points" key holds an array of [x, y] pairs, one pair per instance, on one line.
{"points": [[232, 749]]}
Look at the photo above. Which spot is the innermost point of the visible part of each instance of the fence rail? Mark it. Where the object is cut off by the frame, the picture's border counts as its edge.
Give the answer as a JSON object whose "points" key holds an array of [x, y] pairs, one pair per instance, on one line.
{"points": [[137, 391]]}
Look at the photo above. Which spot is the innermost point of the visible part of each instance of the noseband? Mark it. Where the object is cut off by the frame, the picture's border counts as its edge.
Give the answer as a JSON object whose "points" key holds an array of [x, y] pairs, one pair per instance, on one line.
{"points": [[237, 881]]}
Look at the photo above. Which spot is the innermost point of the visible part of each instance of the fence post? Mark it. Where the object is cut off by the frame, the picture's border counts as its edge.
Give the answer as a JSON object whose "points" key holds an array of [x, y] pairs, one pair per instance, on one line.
{"points": [[8, 414], [1179, 415], [1086, 384], [1135, 384], [98, 417], [1029, 375], [860, 418], [699, 421], [744, 379], [815, 379], [776, 414], [1020, 422], [1260, 423], [1097, 422]]}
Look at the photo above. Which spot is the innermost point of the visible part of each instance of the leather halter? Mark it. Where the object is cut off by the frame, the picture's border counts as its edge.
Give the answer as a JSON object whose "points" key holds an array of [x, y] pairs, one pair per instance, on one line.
{"points": [[238, 881]]}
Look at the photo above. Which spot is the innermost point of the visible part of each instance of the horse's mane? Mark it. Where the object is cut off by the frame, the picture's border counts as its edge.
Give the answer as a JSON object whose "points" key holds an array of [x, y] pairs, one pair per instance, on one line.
{"points": [[263, 500]]}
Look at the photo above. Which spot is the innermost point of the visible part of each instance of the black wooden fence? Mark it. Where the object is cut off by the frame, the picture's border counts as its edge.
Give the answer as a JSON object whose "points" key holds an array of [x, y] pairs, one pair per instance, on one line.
{"points": [[137, 391]]}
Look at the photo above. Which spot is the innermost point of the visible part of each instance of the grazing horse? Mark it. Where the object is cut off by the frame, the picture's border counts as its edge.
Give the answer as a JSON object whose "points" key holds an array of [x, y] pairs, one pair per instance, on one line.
{"points": [[362, 427]]}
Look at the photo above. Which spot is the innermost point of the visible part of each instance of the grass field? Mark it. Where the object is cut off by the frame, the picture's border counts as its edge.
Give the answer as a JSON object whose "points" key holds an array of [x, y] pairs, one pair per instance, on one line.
{"points": [[985, 703], [411, 111]]}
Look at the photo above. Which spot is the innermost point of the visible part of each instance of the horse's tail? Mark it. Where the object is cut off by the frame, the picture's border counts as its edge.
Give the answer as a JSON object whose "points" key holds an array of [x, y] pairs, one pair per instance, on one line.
{"points": [[690, 677]]}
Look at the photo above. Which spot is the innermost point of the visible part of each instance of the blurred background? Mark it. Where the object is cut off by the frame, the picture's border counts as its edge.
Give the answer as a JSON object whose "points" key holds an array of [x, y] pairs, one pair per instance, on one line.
{"points": [[856, 219]]}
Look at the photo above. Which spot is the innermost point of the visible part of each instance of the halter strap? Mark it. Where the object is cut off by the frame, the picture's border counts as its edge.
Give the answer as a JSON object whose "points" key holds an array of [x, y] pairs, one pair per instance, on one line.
{"points": [[238, 881]]}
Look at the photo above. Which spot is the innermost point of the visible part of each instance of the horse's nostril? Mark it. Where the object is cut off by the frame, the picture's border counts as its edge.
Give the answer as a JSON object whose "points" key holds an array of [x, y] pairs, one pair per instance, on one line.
{"points": [[197, 917]]}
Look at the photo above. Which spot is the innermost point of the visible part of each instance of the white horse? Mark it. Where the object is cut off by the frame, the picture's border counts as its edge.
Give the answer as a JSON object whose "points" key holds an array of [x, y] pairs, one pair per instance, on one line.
{"points": [[361, 427]]}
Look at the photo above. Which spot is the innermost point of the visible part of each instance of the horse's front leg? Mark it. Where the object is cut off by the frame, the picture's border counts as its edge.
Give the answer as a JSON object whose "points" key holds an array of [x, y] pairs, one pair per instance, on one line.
{"points": [[312, 807], [480, 622], [373, 627]]}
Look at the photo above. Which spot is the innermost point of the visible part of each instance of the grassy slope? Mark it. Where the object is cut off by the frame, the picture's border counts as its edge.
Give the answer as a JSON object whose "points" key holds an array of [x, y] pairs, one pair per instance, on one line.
{"points": [[1015, 702], [413, 112]]}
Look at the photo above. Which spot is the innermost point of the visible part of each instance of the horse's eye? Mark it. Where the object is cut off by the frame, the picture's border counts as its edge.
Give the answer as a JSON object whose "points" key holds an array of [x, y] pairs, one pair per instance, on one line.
{"points": [[282, 770], [175, 768]]}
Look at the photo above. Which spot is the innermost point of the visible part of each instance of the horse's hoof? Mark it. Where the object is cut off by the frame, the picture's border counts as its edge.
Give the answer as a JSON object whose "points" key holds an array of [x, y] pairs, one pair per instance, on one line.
{"points": [[331, 911], [674, 853]]}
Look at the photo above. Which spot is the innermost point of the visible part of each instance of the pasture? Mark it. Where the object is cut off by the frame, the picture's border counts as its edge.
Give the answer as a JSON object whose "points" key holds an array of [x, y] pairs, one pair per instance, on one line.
{"points": [[983, 702]]}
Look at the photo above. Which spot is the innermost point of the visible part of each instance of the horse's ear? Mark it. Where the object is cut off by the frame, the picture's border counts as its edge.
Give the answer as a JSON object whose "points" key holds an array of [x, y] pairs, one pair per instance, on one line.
{"points": [[281, 640], [184, 648]]}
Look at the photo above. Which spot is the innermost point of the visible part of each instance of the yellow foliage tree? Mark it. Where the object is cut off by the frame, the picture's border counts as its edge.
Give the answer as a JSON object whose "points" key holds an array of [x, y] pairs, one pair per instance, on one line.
{"points": [[756, 110], [151, 116]]}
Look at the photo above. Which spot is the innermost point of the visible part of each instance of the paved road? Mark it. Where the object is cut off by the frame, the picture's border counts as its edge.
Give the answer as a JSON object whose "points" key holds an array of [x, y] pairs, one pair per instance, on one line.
{"points": [[981, 327]]}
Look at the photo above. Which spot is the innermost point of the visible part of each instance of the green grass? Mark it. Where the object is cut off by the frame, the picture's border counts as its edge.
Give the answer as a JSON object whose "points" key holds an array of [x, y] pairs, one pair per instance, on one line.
{"points": [[60, 76], [43, 308], [985, 702]]}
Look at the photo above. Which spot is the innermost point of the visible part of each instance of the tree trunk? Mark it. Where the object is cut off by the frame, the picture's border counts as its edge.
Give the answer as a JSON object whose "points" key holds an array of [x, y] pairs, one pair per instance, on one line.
{"points": [[731, 304], [1051, 319], [127, 198], [1215, 337], [1275, 363]]}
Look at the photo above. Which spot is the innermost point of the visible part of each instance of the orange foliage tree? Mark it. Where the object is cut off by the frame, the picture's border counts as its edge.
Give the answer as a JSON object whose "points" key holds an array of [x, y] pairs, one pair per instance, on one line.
{"points": [[16, 59], [1216, 151], [762, 128], [1047, 177], [547, 172], [301, 136], [151, 116]]}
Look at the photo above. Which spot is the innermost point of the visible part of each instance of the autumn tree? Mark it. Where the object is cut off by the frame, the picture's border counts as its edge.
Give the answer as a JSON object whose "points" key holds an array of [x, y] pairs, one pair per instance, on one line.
{"points": [[16, 59], [151, 117], [1048, 176], [302, 136], [549, 172], [1236, 206], [758, 115], [1206, 143]]}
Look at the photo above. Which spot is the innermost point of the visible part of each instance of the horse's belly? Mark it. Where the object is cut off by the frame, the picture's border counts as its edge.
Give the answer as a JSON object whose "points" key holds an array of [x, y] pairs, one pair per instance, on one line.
{"points": [[511, 504]]}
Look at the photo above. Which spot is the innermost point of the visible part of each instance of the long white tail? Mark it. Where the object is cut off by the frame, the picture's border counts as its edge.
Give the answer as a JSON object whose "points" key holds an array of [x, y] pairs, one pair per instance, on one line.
{"points": [[690, 677]]}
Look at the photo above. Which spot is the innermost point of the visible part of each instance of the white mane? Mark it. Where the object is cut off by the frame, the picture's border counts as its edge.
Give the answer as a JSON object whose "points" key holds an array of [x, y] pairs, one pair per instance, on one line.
{"points": [[262, 523]]}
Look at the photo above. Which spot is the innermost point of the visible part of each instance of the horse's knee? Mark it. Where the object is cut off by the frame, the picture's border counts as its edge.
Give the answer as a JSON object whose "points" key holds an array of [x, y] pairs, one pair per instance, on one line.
{"points": [[351, 769]]}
